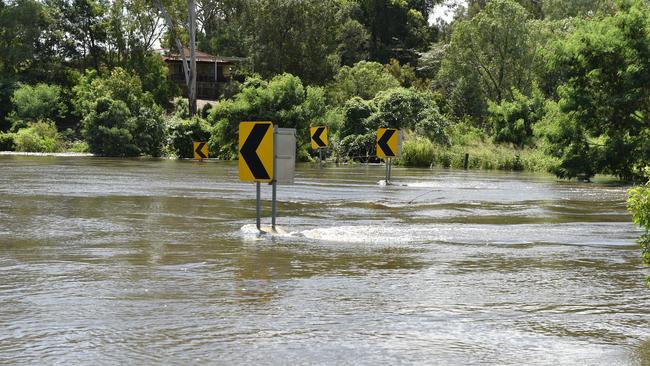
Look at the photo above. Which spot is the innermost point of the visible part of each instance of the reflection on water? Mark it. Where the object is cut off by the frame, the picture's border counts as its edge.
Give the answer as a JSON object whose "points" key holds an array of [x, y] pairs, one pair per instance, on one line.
{"points": [[135, 261]]}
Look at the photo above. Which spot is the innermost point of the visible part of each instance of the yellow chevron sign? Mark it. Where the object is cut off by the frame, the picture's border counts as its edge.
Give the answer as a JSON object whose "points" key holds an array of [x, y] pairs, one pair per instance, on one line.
{"points": [[256, 151], [200, 150], [319, 137], [389, 143]]}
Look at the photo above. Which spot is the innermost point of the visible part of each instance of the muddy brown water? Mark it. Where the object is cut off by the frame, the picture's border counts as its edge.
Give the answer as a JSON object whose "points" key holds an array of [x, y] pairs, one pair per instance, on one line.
{"points": [[108, 261]]}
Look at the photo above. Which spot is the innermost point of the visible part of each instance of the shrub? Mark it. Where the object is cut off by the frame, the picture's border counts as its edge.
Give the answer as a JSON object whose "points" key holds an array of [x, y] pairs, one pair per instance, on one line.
{"points": [[513, 121], [183, 133], [358, 147], [33, 103], [7, 141], [639, 205], [39, 136], [356, 111]]}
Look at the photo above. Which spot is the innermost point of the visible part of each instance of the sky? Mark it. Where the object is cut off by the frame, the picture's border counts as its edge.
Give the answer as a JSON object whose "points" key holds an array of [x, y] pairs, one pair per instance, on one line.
{"points": [[445, 11]]}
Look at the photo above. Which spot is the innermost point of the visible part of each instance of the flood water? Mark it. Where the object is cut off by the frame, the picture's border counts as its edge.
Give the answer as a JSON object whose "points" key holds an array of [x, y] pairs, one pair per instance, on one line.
{"points": [[107, 261]]}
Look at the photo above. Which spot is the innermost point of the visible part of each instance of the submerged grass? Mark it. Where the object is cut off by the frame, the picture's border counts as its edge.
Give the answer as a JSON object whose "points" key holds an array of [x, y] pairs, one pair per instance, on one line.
{"points": [[420, 152]]}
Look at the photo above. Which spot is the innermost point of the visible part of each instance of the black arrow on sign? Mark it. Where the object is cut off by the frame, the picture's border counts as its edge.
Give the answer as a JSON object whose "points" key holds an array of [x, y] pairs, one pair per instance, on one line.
{"points": [[316, 137], [249, 151], [198, 151], [383, 142]]}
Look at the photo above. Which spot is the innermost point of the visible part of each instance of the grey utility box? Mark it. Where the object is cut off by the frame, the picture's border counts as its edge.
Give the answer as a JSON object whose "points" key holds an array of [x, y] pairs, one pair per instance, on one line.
{"points": [[285, 155]]}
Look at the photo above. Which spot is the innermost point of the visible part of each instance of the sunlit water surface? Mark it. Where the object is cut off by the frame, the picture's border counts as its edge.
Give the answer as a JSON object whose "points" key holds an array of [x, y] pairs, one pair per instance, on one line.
{"points": [[148, 262]]}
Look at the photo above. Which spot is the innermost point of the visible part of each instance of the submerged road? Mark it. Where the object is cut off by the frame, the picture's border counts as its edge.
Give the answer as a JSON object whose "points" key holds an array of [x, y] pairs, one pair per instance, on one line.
{"points": [[146, 262]]}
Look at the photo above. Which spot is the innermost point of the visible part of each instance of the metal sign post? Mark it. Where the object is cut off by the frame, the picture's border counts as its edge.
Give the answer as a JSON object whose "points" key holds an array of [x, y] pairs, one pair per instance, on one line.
{"points": [[266, 154], [320, 158], [258, 206], [275, 182]]}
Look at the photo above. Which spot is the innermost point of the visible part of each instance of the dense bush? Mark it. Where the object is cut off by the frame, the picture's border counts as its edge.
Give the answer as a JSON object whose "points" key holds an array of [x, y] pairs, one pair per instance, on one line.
{"points": [[513, 121], [119, 119], [183, 134], [358, 147], [639, 205], [355, 111], [7, 141], [39, 136], [408, 109], [34, 103], [283, 100]]}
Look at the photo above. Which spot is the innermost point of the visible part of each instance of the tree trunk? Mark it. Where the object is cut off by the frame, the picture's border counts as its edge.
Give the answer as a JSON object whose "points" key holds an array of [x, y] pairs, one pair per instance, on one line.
{"points": [[192, 85], [188, 70]]}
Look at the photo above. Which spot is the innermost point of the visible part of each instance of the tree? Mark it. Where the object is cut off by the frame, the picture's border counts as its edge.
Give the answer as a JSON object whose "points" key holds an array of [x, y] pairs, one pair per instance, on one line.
{"points": [[284, 100], [189, 68], [34, 103], [398, 29], [365, 79], [494, 48], [118, 118], [296, 37], [513, 121], [605, 96]]}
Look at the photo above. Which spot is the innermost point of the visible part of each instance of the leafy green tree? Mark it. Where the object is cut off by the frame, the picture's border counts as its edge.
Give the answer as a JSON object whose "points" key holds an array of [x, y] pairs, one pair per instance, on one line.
{"points": [[398, 29], [513, 121], [365, 79], [109, 128], [21, 24], [605, 99], [38, 102], [119, 118], [559, 9], [399, 108], [283, 100], [296, 37], [493, 52], [356, 111]]}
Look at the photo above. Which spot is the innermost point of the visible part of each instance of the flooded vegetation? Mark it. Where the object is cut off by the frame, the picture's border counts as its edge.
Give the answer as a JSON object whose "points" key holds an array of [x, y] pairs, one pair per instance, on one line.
{"points": [[136, 261]]}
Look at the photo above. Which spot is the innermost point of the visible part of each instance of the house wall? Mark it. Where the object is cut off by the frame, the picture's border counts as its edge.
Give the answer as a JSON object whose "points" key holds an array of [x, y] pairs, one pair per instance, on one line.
{"points": [[206, 86]]}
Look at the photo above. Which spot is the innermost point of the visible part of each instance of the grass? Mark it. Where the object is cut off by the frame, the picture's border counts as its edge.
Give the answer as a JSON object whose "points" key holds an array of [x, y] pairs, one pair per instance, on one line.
{"points": [[420, 152]]}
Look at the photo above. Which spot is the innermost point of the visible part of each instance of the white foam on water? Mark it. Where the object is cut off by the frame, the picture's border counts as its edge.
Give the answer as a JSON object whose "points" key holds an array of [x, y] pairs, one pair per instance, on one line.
{"points": [[574, 234]]}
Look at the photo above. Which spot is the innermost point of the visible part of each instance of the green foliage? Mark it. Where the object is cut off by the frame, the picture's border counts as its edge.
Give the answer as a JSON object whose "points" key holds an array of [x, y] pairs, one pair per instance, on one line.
{"points": [[492, 52], [119, 119], [559, 9], [364, 80], [283, 100], [408, 109], [41, 136], [418, 152], [297, 37], [181, 108], [405, 74], [33, 103], [7, 141], [183, 133], [604, 101], [355, 111], [152, 71], [358, 147], [513, 121], [639, 205]]}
